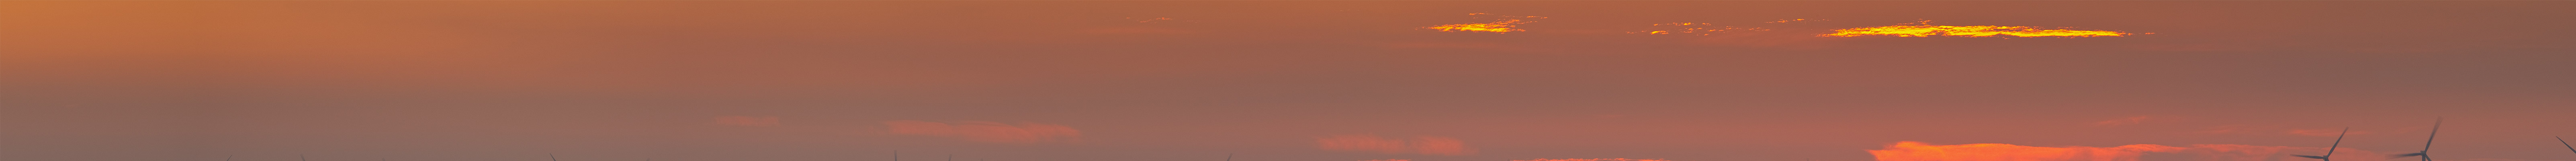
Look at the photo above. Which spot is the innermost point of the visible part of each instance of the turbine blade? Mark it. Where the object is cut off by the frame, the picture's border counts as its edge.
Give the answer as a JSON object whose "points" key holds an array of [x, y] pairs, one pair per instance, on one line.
{"points": [[2338, 142], [2437, 131]]}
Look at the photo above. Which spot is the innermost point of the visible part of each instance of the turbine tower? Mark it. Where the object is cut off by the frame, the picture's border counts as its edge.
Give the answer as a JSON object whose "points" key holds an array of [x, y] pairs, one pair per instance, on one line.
{"points": [[2331, 148], [2428, 143]]}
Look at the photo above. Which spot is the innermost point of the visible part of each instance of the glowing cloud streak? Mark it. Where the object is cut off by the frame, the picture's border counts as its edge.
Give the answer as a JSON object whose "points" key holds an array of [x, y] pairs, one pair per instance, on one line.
{"points": [[1916, 151], [1926, 29], [1502, 24], [1695, 29]]}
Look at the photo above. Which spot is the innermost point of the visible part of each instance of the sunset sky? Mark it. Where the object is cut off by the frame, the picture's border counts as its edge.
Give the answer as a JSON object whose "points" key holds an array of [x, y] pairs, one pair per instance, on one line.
{"points": [[1284, 80]]}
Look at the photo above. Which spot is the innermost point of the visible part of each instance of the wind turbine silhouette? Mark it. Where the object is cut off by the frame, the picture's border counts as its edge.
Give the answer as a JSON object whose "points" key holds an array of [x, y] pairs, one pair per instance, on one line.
{"points": [[2331, 148], [2428, 143]]}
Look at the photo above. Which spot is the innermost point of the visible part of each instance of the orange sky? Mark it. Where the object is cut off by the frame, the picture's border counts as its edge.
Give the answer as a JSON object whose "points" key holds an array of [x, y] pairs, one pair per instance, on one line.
{"points": [[1279, 80]]}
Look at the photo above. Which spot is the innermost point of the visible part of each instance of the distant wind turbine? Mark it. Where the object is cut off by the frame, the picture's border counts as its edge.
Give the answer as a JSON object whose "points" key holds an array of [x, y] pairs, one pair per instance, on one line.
{"points": [[1230, 156], [2331, 148], [952, 157], [2428, 143], [551, 156], [230, 157], [299, 157]]}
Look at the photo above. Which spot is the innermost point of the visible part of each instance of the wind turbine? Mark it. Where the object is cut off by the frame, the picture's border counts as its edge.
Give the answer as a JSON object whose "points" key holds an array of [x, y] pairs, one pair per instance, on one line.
{"points": [[2428, 143], [1230, 156], [551, 157], [2331, 148]]}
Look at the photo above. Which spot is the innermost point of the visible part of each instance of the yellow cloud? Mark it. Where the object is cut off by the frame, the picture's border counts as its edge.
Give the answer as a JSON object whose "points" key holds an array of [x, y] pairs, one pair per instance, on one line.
{"points": [[1687, 28], [1501, 24], [1926, 29]]}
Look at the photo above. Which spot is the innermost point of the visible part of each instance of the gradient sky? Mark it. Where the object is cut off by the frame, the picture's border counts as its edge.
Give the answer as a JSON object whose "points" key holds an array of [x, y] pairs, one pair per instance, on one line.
{"points": [[1264, 81]]}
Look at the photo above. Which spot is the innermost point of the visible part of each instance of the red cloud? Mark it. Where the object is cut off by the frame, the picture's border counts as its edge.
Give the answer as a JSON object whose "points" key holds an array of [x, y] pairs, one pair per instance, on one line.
{"points": [[1430, 145], [985, 131], [1916, 151], [761, 121]]}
